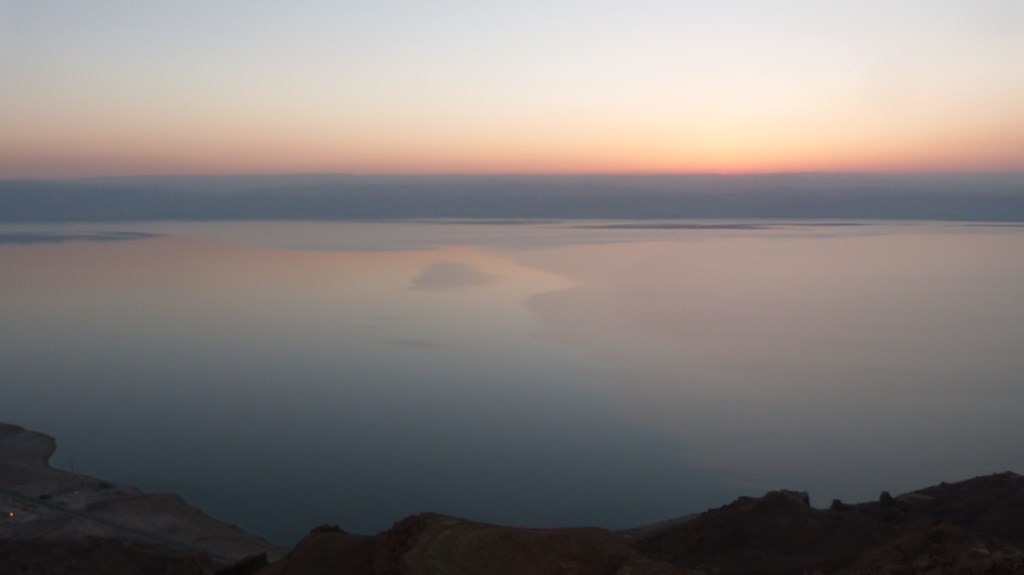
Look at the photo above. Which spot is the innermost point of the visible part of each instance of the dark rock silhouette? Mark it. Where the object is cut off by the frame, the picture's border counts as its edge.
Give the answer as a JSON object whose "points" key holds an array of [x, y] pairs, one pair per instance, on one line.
{"points": [[975, 526], [326, 550], [90, 526], [431, 543]]}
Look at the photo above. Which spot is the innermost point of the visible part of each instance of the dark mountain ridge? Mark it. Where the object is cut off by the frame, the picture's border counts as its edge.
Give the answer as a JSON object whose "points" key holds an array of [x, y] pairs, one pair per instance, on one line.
{"points": [[56, 522], [952, 197]]}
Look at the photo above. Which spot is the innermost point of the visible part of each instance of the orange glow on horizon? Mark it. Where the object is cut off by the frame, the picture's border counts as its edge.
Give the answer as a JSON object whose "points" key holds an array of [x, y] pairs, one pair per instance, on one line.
{"points": [[665, 87], [743, 158], [575, 144]]}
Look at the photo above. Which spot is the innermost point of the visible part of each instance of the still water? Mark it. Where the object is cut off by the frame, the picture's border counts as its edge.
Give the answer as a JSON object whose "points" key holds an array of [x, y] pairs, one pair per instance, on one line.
{"points": [[282, 374]]}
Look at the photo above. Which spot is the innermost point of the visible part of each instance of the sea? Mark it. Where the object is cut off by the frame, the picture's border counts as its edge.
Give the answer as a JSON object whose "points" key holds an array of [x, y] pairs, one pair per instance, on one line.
{"points": [[281, 374]]}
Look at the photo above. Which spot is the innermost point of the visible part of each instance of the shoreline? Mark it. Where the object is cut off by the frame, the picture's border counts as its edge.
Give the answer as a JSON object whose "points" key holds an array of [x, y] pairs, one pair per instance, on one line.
{"points": [[42, 502]]}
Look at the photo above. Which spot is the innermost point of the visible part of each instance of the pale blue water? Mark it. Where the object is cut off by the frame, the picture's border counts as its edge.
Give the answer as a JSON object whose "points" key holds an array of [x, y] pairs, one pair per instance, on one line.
{"points": [[282, 375]]}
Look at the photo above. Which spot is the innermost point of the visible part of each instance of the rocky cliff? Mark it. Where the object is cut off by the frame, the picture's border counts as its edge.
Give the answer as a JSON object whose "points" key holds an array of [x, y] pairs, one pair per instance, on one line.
{"points": [[53, 521], [60, 523]]}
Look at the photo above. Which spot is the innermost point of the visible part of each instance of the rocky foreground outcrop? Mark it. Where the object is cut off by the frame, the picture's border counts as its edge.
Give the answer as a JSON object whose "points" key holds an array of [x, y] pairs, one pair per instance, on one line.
{"points": [[71, 524], [433, 544], [971, 527], [975, 526], [53, 521]]}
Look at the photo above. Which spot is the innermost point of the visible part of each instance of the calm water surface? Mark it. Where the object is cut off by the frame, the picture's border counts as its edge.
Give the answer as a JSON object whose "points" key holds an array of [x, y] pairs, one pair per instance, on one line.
{"points": [[282, 375]]}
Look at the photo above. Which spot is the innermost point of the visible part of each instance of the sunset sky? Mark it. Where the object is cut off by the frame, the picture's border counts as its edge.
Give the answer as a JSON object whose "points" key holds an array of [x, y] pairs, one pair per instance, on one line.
{"points": [[119, 87]]}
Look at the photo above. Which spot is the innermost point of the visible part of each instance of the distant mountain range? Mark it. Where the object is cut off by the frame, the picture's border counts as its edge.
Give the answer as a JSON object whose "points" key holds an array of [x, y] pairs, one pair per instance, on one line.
{"points": [[997, 197]]}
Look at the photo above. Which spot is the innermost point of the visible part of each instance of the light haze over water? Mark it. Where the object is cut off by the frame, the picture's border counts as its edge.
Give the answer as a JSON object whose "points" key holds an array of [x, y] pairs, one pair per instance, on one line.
{"points": [[284, 374]]}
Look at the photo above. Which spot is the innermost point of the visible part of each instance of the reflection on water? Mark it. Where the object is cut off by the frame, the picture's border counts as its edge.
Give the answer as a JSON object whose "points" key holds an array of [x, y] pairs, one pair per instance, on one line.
{"points": [[444, 275], [532, 374]]}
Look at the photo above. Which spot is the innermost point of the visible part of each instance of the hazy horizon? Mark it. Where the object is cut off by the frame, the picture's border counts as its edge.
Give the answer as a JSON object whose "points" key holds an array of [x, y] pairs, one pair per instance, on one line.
{"points": [[954, 197], [528, 174]]}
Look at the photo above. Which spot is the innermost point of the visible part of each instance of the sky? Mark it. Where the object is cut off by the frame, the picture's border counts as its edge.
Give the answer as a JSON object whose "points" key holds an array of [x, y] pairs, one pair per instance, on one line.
{"points": [[122, 87]]}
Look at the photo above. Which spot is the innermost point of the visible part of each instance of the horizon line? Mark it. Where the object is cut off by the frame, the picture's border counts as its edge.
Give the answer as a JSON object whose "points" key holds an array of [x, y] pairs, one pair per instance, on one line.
{"points": [[909, 173]]}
